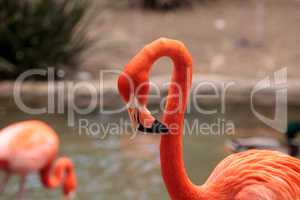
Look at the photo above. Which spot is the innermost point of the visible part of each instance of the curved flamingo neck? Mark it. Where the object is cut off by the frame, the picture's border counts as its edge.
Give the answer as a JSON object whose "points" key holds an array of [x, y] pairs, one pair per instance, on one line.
{"points": [[172, 165], [171, 147], [61, 172]]}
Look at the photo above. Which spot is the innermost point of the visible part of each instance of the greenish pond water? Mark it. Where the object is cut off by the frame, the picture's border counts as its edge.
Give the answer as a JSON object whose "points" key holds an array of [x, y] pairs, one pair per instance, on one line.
{"points": [[118, 167]]}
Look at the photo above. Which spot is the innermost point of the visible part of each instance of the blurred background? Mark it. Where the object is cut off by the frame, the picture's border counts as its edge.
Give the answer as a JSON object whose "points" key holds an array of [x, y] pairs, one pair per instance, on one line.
{"points": [[243, 41]]}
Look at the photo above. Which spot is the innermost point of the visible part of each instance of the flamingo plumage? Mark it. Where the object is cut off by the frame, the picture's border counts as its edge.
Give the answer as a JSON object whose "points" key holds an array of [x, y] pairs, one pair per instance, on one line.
{"points": [[32, 146], [254, 174]]}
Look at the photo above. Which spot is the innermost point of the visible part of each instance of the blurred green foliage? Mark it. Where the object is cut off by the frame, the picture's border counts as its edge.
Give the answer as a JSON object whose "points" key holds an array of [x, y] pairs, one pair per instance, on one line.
{"points": [[40, 34]]}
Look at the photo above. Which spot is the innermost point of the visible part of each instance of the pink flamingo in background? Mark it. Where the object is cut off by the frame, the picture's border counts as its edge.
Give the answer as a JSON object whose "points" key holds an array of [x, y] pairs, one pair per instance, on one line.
{"points": [[32, 146], [250, 175]]}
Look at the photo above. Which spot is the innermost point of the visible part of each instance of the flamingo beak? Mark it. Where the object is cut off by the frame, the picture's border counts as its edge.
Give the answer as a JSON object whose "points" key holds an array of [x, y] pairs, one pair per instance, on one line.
{"points": [[143, 121], [156, 127]]}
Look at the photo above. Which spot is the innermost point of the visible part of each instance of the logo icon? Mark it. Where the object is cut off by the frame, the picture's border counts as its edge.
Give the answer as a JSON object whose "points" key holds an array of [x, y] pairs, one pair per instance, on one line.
{"points": [[279, 85]]}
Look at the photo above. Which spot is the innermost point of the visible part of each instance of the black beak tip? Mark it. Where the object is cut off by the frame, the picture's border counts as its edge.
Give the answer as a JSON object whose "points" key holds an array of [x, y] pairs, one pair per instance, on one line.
{"points": [[157, 127]]}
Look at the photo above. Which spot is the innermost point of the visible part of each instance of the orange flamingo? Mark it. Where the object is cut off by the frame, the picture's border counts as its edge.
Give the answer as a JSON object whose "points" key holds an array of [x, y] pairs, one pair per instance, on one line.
{"points": [[254, 174], [32, 146]]}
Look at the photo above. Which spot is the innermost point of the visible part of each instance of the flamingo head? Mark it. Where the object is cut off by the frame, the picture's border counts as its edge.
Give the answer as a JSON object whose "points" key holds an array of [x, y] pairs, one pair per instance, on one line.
{"points": [[69, 190], [70, 181], [136, 97], [142, 119]]}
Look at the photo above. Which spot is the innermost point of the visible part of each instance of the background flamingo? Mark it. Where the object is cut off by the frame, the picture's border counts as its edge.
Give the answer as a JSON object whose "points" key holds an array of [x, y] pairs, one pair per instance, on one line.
{"points": [[254, 174], [32, 146]]}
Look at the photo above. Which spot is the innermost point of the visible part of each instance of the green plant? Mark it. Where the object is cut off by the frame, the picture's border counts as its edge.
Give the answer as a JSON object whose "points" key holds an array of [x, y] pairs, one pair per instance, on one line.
{"points": [[40, 34]]}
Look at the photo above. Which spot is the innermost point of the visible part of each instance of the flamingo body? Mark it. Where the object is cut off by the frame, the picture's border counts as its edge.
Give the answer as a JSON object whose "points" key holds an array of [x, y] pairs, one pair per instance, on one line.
{"points": [[255, 174], [250, 175], [28, 146], [32, 146]]}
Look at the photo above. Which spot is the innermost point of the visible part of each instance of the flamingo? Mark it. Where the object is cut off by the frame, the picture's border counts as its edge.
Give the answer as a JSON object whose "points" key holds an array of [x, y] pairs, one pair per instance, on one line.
{"points": [[253, 174], [32, 146]]}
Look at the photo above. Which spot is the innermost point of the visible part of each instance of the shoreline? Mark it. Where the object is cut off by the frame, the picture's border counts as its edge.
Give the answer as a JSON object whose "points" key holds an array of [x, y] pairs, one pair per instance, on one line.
{"points": [[235, 91]]}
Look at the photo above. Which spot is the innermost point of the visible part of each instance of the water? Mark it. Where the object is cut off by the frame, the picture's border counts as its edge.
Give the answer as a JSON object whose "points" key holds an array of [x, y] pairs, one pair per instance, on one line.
{"points": [[118, 167]]}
